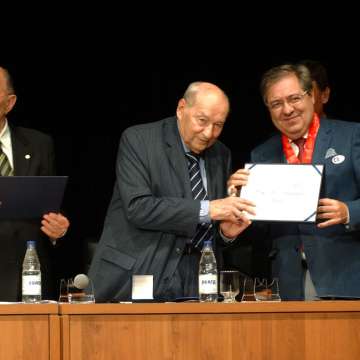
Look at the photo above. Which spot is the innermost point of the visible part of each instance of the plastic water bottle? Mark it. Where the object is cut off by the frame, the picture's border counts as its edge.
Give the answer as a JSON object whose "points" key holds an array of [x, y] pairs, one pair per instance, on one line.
{"points": [[208, 275], [31, 275]]}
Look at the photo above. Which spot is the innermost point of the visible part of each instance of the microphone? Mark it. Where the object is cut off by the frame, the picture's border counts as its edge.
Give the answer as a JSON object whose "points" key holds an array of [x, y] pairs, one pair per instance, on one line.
{"points": [[81, 281]]}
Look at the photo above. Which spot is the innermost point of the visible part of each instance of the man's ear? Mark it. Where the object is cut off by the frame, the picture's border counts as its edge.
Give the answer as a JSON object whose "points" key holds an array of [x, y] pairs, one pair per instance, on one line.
{"points": [[10, 102], [180, 108], [325, 95], [312, 95]]}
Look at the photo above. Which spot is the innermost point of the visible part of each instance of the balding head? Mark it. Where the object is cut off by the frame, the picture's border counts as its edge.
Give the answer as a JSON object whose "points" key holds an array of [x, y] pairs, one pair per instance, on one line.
{"points": [[201, 115], [204, 89]]}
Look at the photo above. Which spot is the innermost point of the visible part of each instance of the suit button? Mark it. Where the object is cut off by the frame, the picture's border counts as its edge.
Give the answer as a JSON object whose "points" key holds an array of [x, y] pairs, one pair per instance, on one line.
{"points": [[178, 250]]}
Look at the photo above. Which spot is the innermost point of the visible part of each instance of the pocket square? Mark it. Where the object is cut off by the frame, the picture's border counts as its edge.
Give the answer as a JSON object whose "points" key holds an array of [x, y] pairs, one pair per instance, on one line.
{"points": [[330, 152]]}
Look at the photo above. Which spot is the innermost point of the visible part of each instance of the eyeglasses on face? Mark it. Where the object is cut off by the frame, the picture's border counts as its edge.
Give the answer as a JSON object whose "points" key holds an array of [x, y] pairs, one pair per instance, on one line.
{"points": [[293, 100]]}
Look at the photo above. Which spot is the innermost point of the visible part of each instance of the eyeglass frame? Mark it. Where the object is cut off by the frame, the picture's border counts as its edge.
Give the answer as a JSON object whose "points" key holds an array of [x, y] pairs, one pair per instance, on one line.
{"points": [[292, 100]]}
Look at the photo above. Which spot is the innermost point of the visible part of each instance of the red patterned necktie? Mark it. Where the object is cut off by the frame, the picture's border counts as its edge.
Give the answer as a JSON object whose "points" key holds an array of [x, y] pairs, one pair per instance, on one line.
{"points": [[300, 144]]}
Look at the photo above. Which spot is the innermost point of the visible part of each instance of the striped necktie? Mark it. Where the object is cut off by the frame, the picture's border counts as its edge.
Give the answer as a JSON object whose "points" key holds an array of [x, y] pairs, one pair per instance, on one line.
{"points": [[5, 167], [203, 230]]}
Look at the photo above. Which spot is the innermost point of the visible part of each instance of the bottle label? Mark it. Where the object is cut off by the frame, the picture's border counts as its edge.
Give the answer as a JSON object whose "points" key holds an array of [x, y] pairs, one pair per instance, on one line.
{"points": [[208, 284], [31, 284]]}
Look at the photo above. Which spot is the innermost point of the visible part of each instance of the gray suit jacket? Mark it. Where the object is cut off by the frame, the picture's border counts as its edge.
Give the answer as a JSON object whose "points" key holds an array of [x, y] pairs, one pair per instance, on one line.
{"points": [[152, 213], [333, 253]]}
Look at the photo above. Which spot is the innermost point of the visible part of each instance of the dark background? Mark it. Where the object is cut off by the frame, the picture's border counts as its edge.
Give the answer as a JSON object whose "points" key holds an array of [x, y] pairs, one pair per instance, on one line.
{"points": [[85, 84]]}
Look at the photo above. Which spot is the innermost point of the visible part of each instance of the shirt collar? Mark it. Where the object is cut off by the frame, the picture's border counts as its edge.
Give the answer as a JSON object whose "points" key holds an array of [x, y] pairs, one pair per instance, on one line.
{"points": [[305, 136]]}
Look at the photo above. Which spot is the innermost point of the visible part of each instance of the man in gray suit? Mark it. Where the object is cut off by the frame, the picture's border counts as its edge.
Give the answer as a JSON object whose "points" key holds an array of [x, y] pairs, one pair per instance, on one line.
{"points": [[153, 217], [311, 260]]}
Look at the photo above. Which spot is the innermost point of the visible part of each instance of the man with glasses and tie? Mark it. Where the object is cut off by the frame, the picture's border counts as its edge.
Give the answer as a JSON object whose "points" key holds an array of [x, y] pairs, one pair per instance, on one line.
{"points": [[169, 193], [311, 260], [25, 152]]}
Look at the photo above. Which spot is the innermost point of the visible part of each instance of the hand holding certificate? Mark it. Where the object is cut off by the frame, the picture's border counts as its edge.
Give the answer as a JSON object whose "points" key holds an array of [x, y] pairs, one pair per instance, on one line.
{"points": [[283, 192]]}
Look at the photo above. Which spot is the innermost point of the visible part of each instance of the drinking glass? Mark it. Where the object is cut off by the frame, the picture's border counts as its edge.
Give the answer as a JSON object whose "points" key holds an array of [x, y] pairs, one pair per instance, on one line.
{"points": [[261, 291], [63, 291], [273, 289], [79, 295], [248, 290], [267, 290], [229, 285]]}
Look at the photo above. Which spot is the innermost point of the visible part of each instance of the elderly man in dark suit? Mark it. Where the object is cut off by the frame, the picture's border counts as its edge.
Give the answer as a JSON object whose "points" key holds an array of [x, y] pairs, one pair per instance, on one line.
{"points": [[153, 217], [311, 260], [25, 152]]}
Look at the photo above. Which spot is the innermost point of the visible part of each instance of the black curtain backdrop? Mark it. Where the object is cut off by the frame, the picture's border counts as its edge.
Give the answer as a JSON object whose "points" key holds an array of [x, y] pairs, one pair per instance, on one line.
{"points": [[84, 89]]}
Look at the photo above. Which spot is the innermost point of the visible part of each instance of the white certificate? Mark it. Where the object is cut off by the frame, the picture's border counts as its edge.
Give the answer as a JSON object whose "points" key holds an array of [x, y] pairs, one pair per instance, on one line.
{"points": [[283, 192]]}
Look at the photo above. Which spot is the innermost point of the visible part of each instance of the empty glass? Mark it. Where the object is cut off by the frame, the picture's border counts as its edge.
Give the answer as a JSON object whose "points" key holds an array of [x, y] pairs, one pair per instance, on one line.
{"points": [[273, 288], [265, 290], [261, 292], [229, 285], [80, 295], [248, 290], [63, 292]]}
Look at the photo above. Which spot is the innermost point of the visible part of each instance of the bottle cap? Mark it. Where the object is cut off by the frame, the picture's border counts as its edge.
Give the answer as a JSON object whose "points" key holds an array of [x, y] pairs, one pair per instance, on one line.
{"points": [[31, 243], [207, 243]]}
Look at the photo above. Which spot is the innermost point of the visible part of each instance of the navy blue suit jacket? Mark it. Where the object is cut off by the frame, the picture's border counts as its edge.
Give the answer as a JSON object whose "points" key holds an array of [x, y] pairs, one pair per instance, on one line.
{"points": [[333, 253], [33, 155]]}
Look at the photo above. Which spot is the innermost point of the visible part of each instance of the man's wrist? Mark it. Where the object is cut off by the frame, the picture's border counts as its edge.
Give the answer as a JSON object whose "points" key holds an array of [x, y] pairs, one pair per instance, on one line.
{"points": [[54, 240], [226, 238]]}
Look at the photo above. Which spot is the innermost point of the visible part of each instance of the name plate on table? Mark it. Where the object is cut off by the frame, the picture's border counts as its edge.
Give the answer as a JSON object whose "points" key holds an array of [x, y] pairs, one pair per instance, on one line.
{"points": [[142, 287], [283, 192]]}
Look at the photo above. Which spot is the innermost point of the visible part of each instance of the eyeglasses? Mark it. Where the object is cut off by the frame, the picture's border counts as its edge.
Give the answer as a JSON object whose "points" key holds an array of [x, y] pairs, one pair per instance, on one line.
{"points": [[293, 100]]}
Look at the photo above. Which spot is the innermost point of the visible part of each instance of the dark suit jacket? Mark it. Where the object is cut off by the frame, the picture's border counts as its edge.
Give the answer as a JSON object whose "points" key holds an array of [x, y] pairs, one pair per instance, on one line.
{"points": [[333, 253], [152, 213], [14, 234]]}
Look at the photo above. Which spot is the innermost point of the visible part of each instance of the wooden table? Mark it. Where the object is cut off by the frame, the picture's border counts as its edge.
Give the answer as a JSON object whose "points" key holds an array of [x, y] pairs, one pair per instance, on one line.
{"points": [[286, 330], [29, 331]]}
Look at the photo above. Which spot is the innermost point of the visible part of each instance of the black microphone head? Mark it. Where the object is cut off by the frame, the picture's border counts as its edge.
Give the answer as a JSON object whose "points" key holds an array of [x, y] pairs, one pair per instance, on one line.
{"points": [[81, 281]]}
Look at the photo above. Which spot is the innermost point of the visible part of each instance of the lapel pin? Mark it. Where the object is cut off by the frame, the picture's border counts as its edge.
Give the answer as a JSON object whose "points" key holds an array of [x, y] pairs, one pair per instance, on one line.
{"points": [[330, 153], [27, 156], [338, 159]]}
